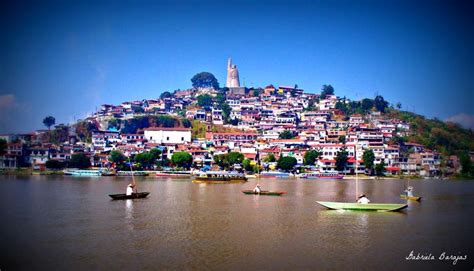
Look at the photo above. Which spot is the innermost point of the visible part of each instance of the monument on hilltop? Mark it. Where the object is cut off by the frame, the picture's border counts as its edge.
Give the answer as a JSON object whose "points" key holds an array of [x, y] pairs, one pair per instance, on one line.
{"points": [[233, 81], [232, 75]]}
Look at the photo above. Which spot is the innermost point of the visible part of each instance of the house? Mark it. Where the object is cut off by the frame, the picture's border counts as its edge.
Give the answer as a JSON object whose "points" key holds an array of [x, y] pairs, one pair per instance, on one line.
{"points": [[167, 135]]}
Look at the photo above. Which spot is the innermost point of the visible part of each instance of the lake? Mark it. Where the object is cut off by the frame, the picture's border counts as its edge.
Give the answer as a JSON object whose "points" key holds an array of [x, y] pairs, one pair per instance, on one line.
{"points": [[62, 222]]}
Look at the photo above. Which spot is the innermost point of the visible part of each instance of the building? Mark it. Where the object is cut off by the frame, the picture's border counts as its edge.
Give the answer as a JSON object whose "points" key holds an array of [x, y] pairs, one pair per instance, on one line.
{"points": [[163, 135]]}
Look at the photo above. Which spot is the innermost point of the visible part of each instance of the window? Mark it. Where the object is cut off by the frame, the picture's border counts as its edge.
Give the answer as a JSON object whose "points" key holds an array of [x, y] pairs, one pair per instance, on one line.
{"points": [[182, 138], [167, 138]]}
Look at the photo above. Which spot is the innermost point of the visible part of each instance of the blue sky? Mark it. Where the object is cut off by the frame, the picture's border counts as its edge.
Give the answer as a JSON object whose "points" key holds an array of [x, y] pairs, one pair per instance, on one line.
{"points": [[65, 58]]}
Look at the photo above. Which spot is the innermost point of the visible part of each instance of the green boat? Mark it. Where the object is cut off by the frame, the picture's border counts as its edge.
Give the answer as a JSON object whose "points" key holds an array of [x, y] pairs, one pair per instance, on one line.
{"points": [[414, 198], [266, 193], [378, 207]]}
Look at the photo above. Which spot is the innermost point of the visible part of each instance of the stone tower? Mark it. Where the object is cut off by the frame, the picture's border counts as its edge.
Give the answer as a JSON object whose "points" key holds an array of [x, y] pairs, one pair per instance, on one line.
{"points": [[232, 75]]}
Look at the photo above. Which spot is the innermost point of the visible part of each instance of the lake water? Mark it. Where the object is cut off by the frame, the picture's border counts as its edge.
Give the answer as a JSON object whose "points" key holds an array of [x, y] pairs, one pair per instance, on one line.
{"points": [[61, 222]]}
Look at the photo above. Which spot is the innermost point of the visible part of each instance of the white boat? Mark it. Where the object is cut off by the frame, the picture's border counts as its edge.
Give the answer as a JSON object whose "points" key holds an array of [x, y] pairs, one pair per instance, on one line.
{"points": [[330, 175], [82, 172]]}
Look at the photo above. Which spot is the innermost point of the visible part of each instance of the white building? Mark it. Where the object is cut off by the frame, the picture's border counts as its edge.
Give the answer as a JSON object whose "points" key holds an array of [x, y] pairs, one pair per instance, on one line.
{"points": [[168, 135]]}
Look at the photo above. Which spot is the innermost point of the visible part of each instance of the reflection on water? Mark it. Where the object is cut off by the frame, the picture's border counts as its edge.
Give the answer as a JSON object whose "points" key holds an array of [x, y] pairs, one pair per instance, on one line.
{"points": [[69, 222]]}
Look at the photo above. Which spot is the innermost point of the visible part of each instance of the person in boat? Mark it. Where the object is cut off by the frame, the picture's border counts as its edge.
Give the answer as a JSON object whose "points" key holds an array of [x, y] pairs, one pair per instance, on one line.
{"points": [[409, 191], [257, 189], [363, 199], [130, 189]]}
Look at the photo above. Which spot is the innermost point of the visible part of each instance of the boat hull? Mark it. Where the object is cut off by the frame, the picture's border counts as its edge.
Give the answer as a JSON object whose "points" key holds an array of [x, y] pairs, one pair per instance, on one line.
{"points": [[265, 193], [132, 196], [378, 207], [410, 198], [219, 180]]}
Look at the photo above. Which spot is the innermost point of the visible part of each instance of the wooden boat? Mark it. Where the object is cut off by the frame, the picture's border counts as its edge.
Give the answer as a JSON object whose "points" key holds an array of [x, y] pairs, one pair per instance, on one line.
{"points": [[263, 192], [132, 196], [274, 174], [219, 177], [379, 207], [414, 198]]}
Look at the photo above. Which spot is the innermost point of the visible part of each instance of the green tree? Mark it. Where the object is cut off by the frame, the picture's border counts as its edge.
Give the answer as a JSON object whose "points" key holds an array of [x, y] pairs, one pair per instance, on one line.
{"points": [[399, 105], [117, 157], [466, 163], [79, 160], [270, 158], [226, 110], [205, 80], [368, 156], [326, 90], [186, 123], [165, 95], [235, 158], [246, 164], [380, 104], [287, 134], [342, 139], [182, 159], [286, 163], [311, 156], [380, 169], [367, 104], [49, 121], [3, 146], [55, 164], [145, 159], [341, 159], [204, 100]]}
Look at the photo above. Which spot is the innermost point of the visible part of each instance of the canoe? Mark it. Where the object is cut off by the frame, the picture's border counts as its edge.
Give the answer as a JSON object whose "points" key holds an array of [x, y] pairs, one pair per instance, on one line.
{"points": [[267, 193], [132, 196], [403, 196], [379, 207]]}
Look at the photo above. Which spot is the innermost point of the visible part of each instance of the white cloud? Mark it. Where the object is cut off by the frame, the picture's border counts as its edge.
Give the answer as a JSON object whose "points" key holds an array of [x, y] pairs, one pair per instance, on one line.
{"points": [[465, 120]]}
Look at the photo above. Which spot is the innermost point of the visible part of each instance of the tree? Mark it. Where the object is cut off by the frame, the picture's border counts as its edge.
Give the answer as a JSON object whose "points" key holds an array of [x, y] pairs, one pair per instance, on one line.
{"points": [[165, 95], [186, 123], [55, 164], [341, 159], [235, 158], [286, 135], [286, 163], [145, 159], [310, 157], [205, 80], [466, 163], [49, 121], [3, 146], [326, 90], [226, 110], [270, 158], [204, 100], [380, 169], [399, 105], [368, 157], [247, 165], [380, 104], [114, 123], [116, 157], [367, 104], [342, 139], [182, 159], [79, 160]]}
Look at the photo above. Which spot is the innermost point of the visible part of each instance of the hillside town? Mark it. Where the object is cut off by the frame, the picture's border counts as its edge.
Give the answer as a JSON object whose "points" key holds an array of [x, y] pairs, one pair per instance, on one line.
{"points": [[319, 131]]}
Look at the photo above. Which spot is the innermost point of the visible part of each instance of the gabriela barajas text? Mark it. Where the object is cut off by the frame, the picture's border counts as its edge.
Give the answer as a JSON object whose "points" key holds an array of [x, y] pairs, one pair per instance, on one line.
{"points": [[430, 257]]}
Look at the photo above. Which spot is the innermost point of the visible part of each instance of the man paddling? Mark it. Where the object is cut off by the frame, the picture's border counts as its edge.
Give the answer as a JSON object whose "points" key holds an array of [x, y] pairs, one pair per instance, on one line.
{"points": [[129, 190], [363, 199], [409, 191], [257, 189]]}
